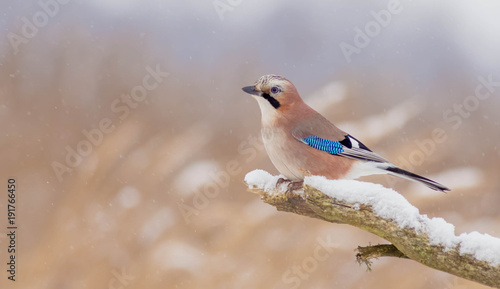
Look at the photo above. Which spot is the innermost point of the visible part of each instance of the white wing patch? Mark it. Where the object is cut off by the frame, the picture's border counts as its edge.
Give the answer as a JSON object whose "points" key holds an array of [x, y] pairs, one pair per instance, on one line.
{"points": [[354, 142]]}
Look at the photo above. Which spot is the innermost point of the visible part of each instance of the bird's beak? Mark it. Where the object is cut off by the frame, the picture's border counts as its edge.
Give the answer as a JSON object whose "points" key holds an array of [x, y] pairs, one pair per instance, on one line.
{"points": [[251, 90]]}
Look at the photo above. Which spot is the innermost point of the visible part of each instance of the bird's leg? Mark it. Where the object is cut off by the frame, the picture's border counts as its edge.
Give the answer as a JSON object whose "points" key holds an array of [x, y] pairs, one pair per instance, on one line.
{"points": [[280, 181]]}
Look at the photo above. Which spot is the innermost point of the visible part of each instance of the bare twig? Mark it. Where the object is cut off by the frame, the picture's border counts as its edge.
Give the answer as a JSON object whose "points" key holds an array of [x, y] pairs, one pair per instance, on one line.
{"points": [[383, 250]]}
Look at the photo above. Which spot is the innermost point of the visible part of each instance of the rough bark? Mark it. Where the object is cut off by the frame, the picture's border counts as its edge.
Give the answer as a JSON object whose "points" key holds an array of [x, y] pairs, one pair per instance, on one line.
{"points": [[405, 243]]}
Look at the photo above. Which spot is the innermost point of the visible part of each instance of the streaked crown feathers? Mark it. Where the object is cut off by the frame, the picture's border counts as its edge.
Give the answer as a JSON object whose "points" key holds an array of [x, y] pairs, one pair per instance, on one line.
{"points": [[265, 80]]}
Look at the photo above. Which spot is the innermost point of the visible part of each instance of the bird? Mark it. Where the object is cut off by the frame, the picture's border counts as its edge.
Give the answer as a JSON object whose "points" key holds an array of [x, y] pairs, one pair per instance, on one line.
{"points": [[301, 142]]}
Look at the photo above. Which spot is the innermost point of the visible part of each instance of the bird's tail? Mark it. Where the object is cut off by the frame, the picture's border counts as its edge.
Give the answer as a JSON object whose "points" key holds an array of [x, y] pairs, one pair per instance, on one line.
{"points": [[414, 177]]}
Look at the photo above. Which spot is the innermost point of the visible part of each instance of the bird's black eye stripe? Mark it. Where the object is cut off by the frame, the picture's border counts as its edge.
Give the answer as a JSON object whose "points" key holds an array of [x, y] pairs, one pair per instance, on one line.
{"points": [[272, 100]]}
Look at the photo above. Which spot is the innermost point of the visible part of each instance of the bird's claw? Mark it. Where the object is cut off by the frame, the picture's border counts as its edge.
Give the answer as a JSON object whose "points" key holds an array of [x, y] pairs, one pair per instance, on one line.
{"points": [[292, 186]]}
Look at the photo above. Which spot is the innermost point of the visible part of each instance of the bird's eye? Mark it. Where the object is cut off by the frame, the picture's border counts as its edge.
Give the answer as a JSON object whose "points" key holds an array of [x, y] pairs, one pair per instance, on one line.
{"points": [[275, 89]]}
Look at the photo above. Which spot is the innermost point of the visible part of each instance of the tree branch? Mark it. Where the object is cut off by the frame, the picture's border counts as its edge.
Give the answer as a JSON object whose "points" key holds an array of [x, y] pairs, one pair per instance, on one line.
{"points": [[417, 243]]}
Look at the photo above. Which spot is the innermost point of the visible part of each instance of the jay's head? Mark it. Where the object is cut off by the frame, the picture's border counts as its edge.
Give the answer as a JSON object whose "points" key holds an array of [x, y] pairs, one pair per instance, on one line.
{"points": [[273, 92]]}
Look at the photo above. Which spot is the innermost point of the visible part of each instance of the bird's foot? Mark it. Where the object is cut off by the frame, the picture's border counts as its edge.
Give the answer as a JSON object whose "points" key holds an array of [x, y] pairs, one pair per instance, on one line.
{"points": [[292, 186]]}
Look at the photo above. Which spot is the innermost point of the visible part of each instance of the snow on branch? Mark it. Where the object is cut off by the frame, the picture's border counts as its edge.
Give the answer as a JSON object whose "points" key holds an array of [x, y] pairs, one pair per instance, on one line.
{"points": [[387, 214]]}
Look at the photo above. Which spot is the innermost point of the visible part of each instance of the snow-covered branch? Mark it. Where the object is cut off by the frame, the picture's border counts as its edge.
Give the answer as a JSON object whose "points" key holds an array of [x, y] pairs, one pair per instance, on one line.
{"points": [[386, 213]]}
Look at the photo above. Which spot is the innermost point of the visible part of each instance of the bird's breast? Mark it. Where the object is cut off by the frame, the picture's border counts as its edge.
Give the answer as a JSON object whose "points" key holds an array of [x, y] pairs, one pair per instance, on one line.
{"points": [[280, 147], [294, 159]]}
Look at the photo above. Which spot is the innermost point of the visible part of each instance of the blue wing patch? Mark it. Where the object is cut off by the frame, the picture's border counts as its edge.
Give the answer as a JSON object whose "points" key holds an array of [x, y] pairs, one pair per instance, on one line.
{"points": [[329, 146]]}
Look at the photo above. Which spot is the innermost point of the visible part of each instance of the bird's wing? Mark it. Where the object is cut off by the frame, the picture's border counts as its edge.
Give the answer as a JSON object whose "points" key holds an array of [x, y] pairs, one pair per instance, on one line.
{"points": [[326, 137]]}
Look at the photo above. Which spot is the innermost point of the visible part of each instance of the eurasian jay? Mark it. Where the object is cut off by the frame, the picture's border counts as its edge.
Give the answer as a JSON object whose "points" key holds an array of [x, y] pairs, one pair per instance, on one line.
{"points": [[300, 141]]}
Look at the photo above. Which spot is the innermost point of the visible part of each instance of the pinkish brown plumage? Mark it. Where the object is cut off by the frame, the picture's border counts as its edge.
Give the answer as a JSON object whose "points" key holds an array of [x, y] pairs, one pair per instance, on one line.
{"points": [[300, 141]]}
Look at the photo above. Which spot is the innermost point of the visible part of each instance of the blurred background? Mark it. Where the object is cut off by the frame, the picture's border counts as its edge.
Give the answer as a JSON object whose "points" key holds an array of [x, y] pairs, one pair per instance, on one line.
{"points": [[125, 127]]}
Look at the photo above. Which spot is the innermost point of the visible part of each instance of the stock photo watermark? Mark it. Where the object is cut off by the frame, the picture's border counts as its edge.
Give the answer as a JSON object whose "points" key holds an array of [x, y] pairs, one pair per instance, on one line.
{"points": [[224, 6], [31, 25], [121, 107], [295, 274], [249, 148], [454, 116], [363, 37], [12, 227], [120, 280], [483, 90]]}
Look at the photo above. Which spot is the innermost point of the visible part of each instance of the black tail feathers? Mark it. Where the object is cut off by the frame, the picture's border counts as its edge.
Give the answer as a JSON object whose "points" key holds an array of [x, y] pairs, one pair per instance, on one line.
{"points": [[414, 177]]}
